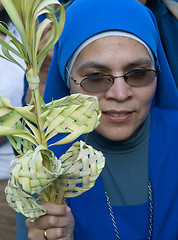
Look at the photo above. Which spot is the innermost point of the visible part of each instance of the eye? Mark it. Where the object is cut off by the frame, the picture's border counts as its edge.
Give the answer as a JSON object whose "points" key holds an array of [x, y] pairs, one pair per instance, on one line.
{"points": [[137, 73], [94, 75], [109, 78]]}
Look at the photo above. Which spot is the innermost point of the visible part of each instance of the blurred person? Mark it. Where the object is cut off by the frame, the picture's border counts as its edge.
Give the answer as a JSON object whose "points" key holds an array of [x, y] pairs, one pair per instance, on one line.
{"points": [[11, 87], [166, 13]]}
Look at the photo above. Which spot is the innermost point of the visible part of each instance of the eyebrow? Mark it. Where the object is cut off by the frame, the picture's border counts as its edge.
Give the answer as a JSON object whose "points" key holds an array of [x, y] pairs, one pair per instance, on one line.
{"points": [[139, 62], [92, 64], [96, 65]]}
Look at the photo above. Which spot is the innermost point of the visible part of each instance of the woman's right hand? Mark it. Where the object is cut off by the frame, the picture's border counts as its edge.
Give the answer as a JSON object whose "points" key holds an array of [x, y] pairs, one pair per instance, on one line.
{"points": [[58, 223]]}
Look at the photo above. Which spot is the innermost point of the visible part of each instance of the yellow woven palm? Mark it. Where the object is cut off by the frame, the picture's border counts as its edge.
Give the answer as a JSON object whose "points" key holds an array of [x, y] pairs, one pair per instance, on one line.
{"points": [[36, 173], [52, 179]]}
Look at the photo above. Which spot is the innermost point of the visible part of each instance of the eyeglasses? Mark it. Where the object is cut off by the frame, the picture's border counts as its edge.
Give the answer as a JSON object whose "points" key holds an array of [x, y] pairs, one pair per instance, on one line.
{"points": [[96, 83]]}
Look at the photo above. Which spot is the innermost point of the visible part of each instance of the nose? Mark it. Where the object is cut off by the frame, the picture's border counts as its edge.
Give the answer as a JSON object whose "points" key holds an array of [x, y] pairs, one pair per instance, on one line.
{"points": [[119, 91]]}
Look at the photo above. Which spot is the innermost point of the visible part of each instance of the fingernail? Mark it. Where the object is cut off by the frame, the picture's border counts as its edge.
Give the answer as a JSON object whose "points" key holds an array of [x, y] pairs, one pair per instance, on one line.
{"points": [[68, 210]]}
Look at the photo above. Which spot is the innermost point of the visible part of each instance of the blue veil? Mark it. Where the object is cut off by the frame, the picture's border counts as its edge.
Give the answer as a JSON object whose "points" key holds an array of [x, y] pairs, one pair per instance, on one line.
{"points": [[85, 18]]}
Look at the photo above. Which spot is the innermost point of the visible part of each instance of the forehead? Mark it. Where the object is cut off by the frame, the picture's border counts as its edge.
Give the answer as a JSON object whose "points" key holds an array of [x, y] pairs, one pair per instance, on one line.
{"points": [[112, 49], [113, 41]]}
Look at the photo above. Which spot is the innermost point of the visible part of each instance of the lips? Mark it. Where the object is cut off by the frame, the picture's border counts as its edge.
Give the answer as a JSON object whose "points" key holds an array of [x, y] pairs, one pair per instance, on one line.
{"points": [[117, 116]]}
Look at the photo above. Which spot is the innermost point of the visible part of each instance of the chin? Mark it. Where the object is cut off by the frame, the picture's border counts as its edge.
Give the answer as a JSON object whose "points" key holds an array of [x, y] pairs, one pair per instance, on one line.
{"points": [[116, 136]]}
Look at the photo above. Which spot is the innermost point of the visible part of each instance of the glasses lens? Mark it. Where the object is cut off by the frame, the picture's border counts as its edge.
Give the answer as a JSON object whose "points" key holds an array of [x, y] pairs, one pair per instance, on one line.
{"points": [[97, 84], [140, 77]]}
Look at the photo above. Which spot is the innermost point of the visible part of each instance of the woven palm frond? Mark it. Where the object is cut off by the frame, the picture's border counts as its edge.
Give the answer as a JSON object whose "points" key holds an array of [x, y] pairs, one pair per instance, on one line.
{"points": [[22, 202], [71, 175], [30, 171], [12, 124], [20, 145], [76, 114], [36, 173], [82, 165]]}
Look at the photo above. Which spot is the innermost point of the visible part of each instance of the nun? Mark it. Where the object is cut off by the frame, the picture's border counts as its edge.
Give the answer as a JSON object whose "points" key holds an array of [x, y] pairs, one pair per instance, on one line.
{"points": [[112, 50]]}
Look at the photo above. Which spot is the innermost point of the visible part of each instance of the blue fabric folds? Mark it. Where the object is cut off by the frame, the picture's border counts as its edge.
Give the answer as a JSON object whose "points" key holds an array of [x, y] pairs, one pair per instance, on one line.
{"points": [[168, 29]]}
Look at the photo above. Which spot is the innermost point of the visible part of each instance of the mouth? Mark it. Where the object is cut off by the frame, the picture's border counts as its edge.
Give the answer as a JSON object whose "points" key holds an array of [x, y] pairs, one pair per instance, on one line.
{"points": [[117, 116]]}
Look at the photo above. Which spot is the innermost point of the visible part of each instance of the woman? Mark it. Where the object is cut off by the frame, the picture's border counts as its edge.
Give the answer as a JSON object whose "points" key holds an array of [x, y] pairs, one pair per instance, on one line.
{"points": [[117, 45]]}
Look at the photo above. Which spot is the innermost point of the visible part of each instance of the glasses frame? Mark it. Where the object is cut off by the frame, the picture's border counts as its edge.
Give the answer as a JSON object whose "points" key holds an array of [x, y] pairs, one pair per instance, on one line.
{"points": [[124, 76]]}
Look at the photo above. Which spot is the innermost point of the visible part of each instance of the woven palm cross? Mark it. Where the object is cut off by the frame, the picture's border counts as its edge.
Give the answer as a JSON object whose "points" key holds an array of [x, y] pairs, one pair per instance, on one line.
{"points": [[36, 173]]}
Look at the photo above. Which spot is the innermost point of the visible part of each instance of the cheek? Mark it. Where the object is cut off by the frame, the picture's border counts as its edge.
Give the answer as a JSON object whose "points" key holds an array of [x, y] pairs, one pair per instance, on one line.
{"points": [[146, 96], [149, 94], [75, 88]]}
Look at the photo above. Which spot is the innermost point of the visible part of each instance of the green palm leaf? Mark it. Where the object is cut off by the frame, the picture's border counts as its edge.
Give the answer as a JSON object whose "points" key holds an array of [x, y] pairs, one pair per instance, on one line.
{"points": [[36, 170]]}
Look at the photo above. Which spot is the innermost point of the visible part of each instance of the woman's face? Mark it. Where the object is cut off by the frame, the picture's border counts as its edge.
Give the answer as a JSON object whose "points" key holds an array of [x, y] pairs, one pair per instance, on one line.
{"points": [[124, 108]]}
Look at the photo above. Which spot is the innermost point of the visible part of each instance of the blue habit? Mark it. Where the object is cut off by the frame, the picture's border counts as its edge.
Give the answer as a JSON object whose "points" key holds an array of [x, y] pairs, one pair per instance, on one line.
{"points": [[85, 18], [90, 210], [92, 219]]}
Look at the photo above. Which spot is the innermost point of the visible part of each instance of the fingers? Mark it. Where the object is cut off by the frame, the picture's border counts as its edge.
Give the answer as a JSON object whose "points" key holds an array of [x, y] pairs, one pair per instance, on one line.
{"points": [[56, 233], [58, 223], [51, 234], [55, 209], [48, 221], [56, 217], [32, 234]]}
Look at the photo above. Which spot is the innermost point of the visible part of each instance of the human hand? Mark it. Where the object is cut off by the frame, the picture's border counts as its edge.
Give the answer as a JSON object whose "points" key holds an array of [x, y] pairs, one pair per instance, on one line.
{"points": [[58, 223]]}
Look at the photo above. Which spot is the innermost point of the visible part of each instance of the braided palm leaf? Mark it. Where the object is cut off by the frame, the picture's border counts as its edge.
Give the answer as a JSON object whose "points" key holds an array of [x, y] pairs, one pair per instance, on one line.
{"points": [[37, 174], [40, 172]]}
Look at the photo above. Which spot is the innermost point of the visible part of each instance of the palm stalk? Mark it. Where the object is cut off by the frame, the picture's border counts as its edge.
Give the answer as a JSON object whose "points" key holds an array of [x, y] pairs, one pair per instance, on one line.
{"points": [[36, 171]]}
